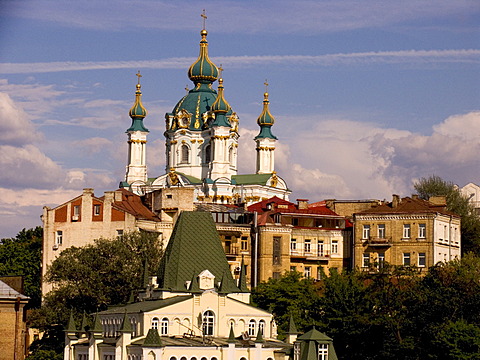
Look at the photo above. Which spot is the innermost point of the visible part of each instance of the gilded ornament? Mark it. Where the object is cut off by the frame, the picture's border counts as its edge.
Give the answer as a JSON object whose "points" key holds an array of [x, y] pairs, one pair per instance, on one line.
{"points": [[174, 180]]}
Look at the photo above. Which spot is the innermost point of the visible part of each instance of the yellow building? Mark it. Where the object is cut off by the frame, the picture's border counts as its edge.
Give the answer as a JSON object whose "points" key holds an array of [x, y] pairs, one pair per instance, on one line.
{"points": [[297, 237], [407, 231]]}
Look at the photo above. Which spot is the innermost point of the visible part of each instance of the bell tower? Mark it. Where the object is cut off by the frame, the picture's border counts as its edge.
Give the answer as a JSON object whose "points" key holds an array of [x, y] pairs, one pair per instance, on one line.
{"points": [[137, 140], [265, 139]]}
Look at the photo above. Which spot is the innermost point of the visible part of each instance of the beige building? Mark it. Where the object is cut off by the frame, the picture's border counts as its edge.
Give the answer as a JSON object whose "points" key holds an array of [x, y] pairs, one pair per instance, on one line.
{"points": [[87, 217], [13, 328], [407, 231]]}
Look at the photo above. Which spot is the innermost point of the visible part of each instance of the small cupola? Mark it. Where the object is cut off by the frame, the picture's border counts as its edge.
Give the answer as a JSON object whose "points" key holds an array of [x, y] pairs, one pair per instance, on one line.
{"points": [[266, 119], [138, 111]]}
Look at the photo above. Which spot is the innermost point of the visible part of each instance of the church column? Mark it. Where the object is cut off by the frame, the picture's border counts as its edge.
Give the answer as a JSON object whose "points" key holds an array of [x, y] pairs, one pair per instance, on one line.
{"points": [[265, 140]]}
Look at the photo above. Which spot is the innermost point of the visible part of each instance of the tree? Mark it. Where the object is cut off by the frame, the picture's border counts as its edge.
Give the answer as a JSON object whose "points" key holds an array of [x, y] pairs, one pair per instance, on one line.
{"points": [[456, 203], [22, 256], [90, 278], [290, 295]]}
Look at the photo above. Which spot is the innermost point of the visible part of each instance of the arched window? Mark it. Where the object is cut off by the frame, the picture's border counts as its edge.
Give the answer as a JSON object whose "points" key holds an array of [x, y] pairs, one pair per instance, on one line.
{"points": [[251, 327], [261, 326], [155, 323], [208, 322], [231, 154], [208, 153], [185, 154], [183, 358], [164, 327]]}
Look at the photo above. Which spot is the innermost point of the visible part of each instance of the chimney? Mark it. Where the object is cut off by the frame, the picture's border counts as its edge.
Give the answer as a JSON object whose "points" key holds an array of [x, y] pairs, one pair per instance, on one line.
{"points": [[118, 195], [415, 196], [88, 191], [395, 201], [302, 203], [438, 200]]}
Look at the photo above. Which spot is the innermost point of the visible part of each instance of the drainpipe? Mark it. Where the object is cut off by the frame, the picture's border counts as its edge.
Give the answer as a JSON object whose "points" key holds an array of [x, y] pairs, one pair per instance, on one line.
{"points": [[255, 254]]}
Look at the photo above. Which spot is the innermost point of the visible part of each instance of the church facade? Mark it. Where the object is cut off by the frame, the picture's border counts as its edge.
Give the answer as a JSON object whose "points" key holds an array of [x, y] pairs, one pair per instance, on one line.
{"points": [[201, 139]]}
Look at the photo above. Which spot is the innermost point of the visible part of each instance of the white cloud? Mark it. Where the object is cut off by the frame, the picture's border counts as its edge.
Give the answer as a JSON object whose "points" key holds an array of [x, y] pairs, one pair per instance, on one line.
{"points": [[94, 145], [234, 62], [15, 126]]}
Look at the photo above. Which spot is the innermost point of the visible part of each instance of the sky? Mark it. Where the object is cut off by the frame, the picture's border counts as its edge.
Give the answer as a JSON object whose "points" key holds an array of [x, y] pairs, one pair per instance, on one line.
{"points": [[368, 96]]}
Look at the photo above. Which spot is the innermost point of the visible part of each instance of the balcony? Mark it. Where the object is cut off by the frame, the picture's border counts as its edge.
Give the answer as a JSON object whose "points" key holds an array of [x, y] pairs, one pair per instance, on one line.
{"points": [[231, 251], [309, 255], [379, 242]]}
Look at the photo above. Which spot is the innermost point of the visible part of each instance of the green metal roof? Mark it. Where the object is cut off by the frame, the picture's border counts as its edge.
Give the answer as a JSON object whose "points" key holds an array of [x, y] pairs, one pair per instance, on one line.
{"points": [[193, 247], [251, 179], [191, 179], [152, 339], [145, 306]]}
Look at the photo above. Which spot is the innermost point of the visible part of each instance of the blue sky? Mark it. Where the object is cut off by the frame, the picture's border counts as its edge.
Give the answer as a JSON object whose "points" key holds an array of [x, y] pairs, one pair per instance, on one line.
{"points": [[368, 96]]}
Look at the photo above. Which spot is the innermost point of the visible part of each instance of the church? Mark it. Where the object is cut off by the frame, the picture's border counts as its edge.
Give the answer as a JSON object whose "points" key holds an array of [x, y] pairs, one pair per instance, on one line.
{"points": [[201, 136]]}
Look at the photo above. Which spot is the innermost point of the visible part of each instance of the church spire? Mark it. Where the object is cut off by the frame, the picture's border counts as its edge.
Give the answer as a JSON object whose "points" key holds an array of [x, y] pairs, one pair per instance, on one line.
{"points": [[220, 107], [265, 139], [203, 71], [137, 140]]}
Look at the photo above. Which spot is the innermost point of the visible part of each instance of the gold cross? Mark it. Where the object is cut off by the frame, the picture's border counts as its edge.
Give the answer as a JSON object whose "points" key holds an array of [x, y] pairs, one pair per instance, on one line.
{"points": [[139, 76], [266, 85], [204, 16], [221, 70]]}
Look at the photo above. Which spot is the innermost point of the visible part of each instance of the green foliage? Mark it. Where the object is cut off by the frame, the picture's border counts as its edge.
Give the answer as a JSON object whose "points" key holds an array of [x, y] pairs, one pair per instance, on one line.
{"points": [[90, 278], [22, 256], [456, 203], [291, 295], [45, 355], [393, 313]]}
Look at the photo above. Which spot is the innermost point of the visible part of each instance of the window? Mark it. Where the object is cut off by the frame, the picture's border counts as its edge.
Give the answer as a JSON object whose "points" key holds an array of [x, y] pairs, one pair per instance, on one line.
{"points": [[308, 247], [208, 322], [261, 327], [230, 155], [244, 243], [76, 210], [276, 275], [320, 248], [277, 260], [366, 232], [59, 238], [322, 351], [296, 351], [334, 246], [366, 260], [445, 233], [422, 231], [406, 231], [381, 260], [184, 154], [293, 244], [251, 327], [164, 327], [381, 231], [96, 210], [422, 260], [320, 273], [208, 154], [155, 323], [119, 234], [308, 271], [406, 259]]}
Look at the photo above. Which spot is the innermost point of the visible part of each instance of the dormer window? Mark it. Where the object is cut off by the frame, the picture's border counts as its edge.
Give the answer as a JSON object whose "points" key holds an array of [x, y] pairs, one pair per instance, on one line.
{"points": [[322, 351]]}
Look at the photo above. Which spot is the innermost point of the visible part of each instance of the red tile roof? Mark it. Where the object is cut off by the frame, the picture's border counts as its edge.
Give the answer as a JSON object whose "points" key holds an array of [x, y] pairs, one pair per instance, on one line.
{"points": [[132, 204], [277, 205], [408, 205]]}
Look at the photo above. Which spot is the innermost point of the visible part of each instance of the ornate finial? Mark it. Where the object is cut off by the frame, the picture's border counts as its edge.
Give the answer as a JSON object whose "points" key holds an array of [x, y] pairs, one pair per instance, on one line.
{"points": [[220, 69], [204, 16], [266, 85], [139, 76]]}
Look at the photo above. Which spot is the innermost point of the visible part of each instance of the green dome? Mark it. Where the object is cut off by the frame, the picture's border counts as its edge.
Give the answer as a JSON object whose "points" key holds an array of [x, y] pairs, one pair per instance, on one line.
{"points": [[221, 107], [203, 70], [138, 112], [265, 121]]}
